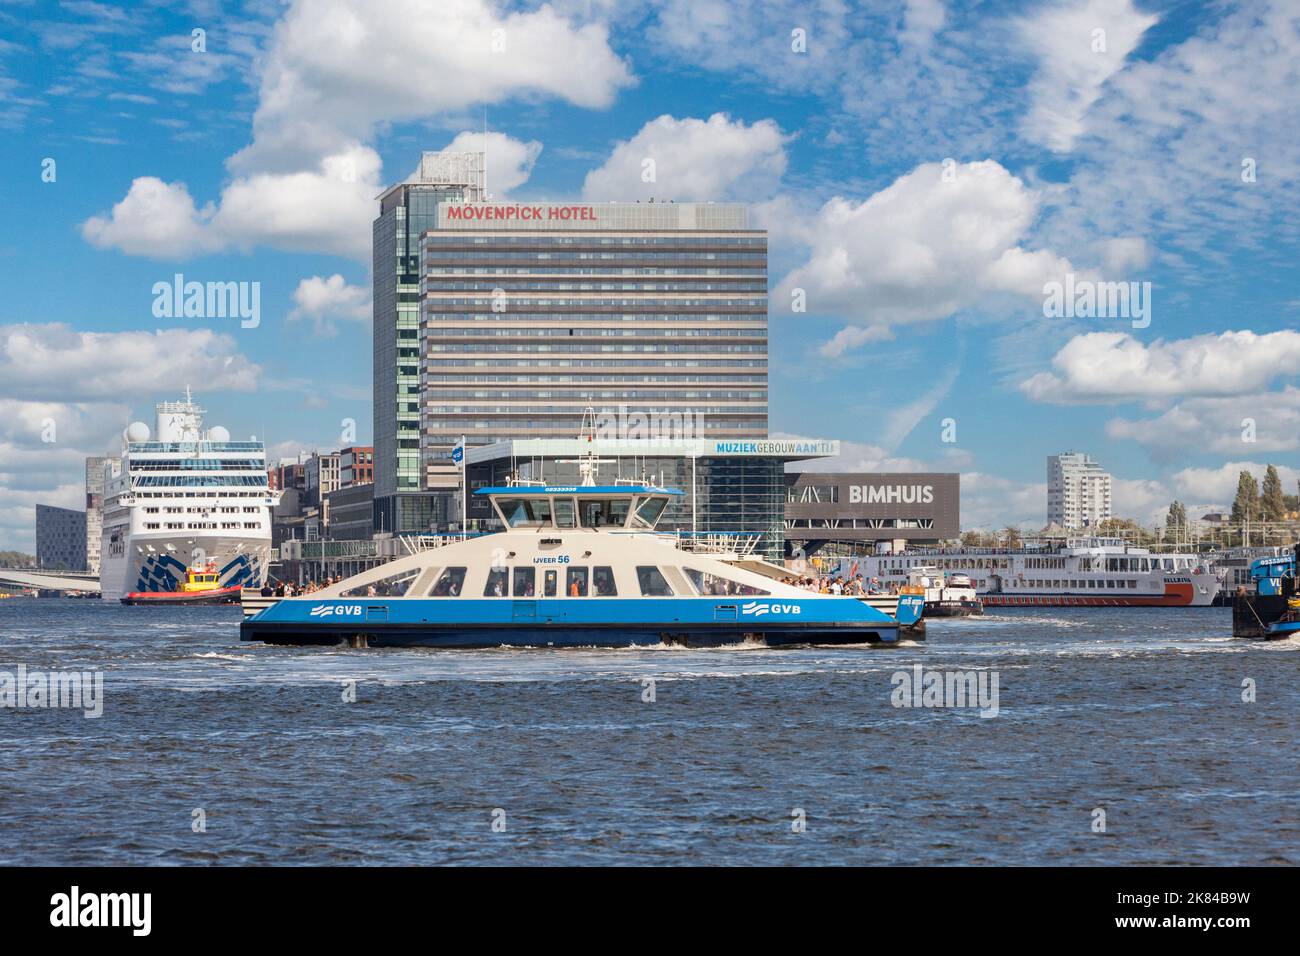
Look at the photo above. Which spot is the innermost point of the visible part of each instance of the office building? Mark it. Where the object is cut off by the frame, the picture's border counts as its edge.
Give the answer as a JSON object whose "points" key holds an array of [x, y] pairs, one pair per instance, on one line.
{"points": [[60, 538]]}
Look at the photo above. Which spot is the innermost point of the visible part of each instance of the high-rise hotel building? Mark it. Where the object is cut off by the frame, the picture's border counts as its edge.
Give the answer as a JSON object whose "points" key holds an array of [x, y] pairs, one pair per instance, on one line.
{"points": [[533, 312], [527, 313]]}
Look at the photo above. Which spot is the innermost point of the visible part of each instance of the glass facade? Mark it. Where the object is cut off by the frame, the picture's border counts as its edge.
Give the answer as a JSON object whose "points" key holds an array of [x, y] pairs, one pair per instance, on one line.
{"points": [[407, 210], [531, 314]]}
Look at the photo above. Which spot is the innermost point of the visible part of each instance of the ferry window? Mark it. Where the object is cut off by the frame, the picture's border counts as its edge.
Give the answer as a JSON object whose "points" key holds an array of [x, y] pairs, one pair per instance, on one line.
{"points": [[711, 584], [526, 512], [602, 582], [497, 583], [525, 582], [394, 585], [449, 583], [564, 514], [549, 587], [652, 582], [649, 511], [576, 585]]}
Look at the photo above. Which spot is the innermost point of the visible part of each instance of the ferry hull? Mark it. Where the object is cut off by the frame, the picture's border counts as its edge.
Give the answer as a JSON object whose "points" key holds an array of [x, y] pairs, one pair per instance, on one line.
{"points": [[463, 636], [470, 623]]}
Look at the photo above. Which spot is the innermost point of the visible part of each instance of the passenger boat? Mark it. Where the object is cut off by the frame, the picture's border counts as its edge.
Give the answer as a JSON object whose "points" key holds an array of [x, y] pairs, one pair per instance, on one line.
{"points": [[576, 566], [1062, 572], [202, 585], [950, 595]]}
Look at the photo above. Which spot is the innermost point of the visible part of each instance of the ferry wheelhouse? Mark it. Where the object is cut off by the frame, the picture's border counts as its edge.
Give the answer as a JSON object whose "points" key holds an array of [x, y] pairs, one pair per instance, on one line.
{"points": [[576, 566], [1062, 572]]}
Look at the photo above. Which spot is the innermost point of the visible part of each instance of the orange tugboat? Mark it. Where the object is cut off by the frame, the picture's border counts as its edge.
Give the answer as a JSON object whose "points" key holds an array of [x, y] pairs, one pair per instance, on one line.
{"points": [[201, 587]]}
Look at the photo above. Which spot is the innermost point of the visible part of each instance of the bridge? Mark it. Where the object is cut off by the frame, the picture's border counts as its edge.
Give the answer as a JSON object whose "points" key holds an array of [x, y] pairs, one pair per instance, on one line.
{"points": [[57, 581]]}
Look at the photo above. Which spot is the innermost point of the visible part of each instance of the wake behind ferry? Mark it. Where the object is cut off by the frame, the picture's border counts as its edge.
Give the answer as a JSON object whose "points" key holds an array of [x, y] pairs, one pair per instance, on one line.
{"points": [[576, 566]]}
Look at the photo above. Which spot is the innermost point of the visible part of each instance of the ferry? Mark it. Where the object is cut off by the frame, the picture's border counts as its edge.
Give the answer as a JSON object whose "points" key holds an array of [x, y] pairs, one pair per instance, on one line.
{"points": [[1068, 572], [202, 586], [179, 496], [575, 566]]}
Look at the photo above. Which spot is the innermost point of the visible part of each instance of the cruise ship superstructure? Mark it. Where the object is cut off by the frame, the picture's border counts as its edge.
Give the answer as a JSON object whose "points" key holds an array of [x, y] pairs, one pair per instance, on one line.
{"points": [[1090, 571], [180, 497]]}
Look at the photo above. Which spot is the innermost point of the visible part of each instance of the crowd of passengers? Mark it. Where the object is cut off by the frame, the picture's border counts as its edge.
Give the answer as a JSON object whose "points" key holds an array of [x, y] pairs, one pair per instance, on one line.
{"points": [[836, 585]]}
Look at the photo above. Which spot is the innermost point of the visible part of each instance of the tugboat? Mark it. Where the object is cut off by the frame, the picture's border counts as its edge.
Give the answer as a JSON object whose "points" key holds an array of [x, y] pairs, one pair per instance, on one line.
{"points": [[201, 586], [953, 596], [576, 566], [1273, 611]]}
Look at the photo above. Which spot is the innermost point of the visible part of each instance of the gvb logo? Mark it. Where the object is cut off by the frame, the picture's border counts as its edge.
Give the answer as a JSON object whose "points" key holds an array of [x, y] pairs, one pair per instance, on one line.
{"points": [[755, 609], [331, 610]]}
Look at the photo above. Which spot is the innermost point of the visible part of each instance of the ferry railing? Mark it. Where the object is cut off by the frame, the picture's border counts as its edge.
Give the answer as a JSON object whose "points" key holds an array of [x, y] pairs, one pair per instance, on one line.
{"points": [[741, 543]]}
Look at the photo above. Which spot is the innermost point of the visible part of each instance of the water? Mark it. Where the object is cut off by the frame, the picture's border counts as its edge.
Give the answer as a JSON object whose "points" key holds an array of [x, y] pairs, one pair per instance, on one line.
{"points": [[1137, 712]]}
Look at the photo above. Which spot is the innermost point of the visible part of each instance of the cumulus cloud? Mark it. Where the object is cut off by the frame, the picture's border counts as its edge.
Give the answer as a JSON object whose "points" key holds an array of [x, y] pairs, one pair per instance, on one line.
{"points": [[692, 159], [1115, 366], [1079, 47], [338, 67], [923, 248], [335, 71], [509, 161], [53, 362], [155, 219], [1220, 484], [1264, 421], [324, 300]]}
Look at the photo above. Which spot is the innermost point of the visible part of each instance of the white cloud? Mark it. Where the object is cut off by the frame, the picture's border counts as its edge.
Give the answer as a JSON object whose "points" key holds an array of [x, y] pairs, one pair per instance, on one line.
{"points": [[1220, 484], [155, 219], [509, 161], [1270, 420], [1079, 47], [992, 502], [1116, 366], [52, 362], [922, 20], [693, 159], [924, 248], [335, 71], [324, 300], [338, 67]]}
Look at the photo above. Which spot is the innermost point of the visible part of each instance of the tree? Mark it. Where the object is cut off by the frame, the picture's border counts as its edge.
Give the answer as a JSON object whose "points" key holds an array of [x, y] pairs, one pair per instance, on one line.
{"points": [[1012, 536], [1176, 519], [1246, 505], [1271, 503]]}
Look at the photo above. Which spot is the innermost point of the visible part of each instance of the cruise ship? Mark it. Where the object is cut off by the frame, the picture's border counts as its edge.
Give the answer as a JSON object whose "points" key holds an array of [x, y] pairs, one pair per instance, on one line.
{"points": [[184, 497], [1059, 572]]}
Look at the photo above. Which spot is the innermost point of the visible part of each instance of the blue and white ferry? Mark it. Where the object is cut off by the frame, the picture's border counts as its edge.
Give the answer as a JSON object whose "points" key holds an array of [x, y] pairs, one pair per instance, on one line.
{"points": [[576, 566]]}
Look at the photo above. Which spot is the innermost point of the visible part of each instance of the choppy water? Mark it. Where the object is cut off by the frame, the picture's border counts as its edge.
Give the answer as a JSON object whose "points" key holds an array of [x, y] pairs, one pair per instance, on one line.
{"points": [[1137, 712]]}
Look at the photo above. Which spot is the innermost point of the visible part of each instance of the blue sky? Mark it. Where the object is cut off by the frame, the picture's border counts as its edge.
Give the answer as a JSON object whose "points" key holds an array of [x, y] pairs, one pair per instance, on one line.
{"points": [[924, 169]]}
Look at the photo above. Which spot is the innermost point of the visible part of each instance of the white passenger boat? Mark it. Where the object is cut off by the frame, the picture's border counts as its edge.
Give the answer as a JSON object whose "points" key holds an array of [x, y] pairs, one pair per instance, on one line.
{"points": [[576, 566], [1096, 572]]}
